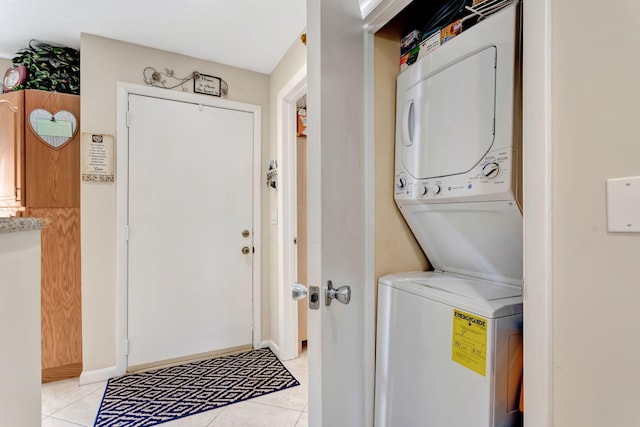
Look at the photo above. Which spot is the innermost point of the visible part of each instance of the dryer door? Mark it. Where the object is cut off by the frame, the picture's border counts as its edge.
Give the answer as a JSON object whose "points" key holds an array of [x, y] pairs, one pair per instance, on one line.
{"points": [[448, 119]]}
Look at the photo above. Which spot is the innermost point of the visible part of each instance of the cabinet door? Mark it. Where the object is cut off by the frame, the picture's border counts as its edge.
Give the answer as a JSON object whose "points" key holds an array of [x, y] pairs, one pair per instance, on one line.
{"points": [[53, 175], [11, 150], [61, 303]]}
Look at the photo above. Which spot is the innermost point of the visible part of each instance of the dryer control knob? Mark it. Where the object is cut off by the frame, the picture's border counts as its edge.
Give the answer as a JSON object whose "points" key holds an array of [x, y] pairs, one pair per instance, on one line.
{"points": [[491, 170], [424, 190], [435, 188], [400, 183]]}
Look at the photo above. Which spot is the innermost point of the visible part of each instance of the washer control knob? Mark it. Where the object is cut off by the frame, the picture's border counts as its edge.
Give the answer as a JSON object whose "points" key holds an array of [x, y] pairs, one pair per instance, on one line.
{"points": [[435, 188], [400, 183], [491, 170], [424, 190]]}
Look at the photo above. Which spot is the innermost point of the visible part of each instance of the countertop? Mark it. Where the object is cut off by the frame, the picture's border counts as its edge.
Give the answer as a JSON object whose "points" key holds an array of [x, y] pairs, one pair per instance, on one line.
{"points": [[10, 225]]}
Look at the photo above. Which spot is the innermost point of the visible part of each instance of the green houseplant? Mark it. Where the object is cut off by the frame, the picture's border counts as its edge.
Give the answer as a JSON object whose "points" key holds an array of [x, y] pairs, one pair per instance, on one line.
{"points": [[50, 68]]}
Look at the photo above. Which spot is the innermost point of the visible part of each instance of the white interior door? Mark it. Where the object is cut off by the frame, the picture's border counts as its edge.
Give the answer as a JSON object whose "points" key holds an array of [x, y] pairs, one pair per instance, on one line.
{"points": [[189, 199], [341, 337]]}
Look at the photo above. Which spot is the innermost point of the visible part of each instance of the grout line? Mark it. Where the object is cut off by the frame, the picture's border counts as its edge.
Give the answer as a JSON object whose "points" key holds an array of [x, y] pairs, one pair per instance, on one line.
{"points": [[53, 415], [81, 397], [298, 420], [67, 421], [274, 405], [216, 417]]}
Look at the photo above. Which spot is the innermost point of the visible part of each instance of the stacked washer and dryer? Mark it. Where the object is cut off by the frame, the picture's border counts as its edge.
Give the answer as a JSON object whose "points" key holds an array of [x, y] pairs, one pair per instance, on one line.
{"points": [[449, 341]]}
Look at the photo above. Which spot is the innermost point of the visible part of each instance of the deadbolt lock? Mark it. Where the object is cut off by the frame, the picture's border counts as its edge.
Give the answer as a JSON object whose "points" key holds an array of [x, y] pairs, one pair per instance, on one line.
{"points": [[245, 233]]}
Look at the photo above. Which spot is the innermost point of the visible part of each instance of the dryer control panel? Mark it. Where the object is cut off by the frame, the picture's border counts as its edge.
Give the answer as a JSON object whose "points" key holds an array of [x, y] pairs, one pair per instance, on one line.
{"points": [[490, 179]]}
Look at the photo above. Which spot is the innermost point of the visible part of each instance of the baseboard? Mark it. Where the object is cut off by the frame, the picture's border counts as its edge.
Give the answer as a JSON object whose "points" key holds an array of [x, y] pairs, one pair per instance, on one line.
{"points": [[273, 346], [88, 377], [58, 373]]}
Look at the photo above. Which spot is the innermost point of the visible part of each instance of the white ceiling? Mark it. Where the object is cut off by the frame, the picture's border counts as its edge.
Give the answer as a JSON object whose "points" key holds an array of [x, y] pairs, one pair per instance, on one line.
{"points": [[250, 34]]}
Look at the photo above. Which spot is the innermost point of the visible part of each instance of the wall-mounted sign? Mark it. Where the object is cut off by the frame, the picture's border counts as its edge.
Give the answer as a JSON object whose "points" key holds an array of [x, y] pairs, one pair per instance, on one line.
{"points": [[209, 85], [97, 157]]}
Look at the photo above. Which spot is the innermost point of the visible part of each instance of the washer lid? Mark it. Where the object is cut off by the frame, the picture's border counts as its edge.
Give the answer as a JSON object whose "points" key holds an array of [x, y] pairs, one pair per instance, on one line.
{"points": [[479, 239], [481, 297], [469, 287]]}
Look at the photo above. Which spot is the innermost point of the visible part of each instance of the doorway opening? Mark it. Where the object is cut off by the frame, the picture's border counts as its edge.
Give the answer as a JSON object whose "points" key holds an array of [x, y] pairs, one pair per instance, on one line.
{"points": [[292, 202]]}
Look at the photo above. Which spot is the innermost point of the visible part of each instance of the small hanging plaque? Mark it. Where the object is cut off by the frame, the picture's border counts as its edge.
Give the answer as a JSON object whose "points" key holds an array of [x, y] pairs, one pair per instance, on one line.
{"points": [[209, 85], [54, 129], [97, 157]]}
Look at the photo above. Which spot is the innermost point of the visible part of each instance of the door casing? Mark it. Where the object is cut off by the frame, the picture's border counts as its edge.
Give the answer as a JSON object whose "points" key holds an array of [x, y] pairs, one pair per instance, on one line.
{"points": [[123, 92]]}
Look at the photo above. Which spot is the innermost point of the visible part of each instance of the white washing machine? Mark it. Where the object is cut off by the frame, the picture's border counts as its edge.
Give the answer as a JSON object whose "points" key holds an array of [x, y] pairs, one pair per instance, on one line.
{"points": [[449, 341]]}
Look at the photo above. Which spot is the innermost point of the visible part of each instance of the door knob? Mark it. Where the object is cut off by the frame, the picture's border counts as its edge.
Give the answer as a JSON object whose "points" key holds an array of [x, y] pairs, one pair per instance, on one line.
{"points": [[298, 291], [342, 294], [246, 250]]}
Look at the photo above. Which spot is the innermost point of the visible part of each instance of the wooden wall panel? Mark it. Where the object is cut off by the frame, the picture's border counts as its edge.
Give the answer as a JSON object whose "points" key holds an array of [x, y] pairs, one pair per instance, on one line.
{"points": [[52, 175], [61, 303]]}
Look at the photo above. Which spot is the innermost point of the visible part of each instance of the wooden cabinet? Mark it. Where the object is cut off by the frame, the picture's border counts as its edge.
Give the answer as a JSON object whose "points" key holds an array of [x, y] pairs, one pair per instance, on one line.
{"points": [[52, 175], [12, 151], [47, 180]]}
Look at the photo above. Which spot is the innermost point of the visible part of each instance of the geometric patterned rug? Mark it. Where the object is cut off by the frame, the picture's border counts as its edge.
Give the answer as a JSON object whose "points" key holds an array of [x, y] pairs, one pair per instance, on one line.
{"points": [[154, 397]]}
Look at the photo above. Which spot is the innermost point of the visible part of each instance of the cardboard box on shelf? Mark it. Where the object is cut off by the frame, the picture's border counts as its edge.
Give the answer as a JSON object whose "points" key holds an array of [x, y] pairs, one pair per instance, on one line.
{"points": [[429, 44], [409, 58], [450, 31], [302, 122], [409, 42]]}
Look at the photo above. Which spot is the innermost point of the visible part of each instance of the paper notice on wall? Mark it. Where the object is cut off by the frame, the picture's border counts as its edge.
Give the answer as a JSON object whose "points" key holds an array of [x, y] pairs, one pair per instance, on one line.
{"points": [[97, 157], [469, 346]]}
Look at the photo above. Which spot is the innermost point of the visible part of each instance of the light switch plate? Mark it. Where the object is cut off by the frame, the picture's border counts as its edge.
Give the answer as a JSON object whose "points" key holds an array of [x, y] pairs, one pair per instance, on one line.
{"points": [[623, 205]]}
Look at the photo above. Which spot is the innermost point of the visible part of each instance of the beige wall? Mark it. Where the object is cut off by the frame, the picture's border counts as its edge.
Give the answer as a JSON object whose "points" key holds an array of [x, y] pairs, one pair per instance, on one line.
{"points": [[103, 63], [4, 64], [596, 277], [396, 248], [291, 63]]}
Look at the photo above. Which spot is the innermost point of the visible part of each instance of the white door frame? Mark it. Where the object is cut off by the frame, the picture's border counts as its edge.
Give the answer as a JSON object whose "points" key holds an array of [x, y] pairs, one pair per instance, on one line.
{"points": [[122, 183], [287, 228], [537, 177], [538, 247]]}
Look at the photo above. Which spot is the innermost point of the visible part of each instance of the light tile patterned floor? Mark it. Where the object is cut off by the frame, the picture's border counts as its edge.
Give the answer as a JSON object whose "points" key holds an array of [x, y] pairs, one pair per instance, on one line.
{"points": [[67, 404]]}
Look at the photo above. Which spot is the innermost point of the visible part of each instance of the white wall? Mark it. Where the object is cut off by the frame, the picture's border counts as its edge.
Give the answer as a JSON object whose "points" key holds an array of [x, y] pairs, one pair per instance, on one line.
{"points": [[596, 280], [103, 63], [20, 360], [291, 63]]}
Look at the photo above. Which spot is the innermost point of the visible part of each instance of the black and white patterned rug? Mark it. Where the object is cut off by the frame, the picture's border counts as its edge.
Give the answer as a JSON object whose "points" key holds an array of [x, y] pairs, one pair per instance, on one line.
{"points": [[154, 397]]}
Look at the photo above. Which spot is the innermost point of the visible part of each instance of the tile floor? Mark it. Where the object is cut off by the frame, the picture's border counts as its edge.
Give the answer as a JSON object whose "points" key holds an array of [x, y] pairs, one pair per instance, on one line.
{"points": [[66, 404]]}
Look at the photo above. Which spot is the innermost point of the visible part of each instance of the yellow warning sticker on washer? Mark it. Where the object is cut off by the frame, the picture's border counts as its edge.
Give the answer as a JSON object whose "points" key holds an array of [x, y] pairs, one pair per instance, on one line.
{"points": [[470, 341]]}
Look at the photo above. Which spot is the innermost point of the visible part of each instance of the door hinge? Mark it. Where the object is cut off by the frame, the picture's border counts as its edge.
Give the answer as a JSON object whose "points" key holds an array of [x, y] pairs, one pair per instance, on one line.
{"points": [[126, 347], [128, 118], [126, 233]]}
